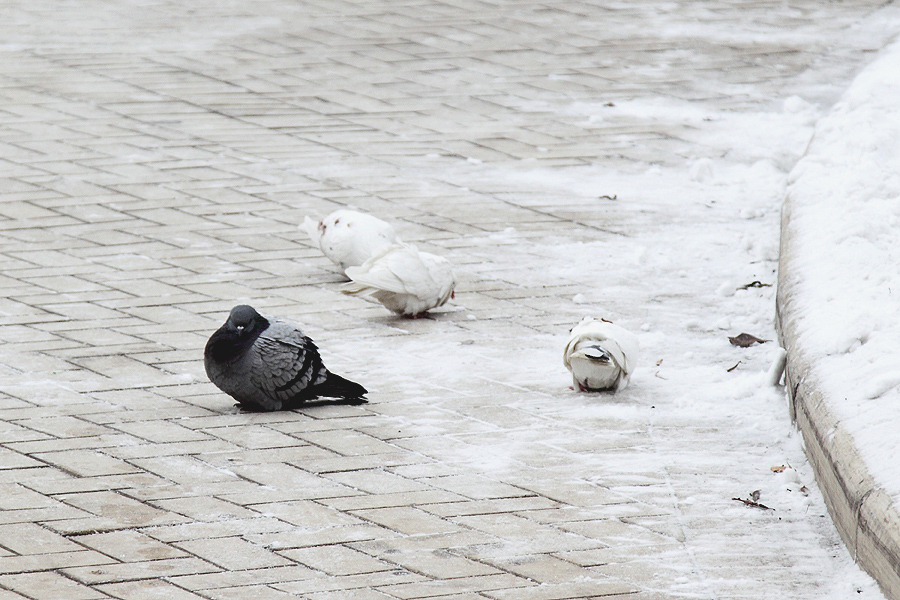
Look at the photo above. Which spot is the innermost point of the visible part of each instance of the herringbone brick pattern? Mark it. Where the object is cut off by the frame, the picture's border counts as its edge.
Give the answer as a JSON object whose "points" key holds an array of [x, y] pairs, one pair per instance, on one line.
{"points": [[156, 159]]}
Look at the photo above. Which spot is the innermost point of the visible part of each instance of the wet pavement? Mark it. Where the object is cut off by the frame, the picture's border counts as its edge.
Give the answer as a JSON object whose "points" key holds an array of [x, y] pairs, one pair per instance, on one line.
{"points": [[155, 162]]}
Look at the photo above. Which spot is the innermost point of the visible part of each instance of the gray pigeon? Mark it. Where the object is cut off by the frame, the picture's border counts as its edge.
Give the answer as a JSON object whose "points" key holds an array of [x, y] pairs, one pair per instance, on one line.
{"points": [[268, 364]]}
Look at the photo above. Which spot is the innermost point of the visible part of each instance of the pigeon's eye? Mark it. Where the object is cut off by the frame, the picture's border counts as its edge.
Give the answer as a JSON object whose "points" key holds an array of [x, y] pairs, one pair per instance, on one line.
{"points": [[240, 327]]}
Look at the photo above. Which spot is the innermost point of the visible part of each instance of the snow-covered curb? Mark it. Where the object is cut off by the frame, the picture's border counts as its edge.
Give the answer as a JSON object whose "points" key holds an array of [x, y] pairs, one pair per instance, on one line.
{"points": [[839, 318]]}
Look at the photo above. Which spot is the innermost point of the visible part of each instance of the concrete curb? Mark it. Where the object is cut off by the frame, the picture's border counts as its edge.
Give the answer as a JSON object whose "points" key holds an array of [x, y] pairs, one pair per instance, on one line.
{"points": [[863, 513]]}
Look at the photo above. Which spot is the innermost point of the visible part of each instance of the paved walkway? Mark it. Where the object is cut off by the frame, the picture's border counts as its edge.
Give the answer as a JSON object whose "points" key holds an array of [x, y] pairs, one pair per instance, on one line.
{"points": [[156, 159]]}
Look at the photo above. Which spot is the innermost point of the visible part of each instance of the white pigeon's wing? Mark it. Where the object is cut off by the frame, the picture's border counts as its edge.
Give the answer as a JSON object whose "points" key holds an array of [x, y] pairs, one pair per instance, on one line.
{"points": [[441, 275], [631, 350], [398, 270], [370, 237], [403, 279]]}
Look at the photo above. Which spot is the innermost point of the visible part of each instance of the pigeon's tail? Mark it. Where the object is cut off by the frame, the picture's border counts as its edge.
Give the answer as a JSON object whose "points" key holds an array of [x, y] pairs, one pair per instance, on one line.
{"points": [[336, 386], [312, 230]]}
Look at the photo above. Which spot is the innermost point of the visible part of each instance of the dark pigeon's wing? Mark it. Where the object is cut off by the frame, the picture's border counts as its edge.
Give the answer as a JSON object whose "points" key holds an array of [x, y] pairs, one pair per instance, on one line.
{"points": [[287, 363]]}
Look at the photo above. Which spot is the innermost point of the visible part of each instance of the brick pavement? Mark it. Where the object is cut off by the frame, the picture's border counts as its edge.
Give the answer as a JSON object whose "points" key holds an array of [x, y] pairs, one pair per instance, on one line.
{"points": [[156, 159]]}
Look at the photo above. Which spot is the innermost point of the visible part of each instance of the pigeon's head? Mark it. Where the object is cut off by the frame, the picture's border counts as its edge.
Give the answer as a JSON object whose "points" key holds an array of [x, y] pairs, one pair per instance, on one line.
{"points": [[244, 318], [240, 331], [330, 221]]}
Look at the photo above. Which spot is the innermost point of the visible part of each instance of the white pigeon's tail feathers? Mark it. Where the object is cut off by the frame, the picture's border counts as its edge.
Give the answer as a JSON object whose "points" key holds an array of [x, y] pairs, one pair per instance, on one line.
{"points": [[596, 352], [312, 230], [355, 288]]}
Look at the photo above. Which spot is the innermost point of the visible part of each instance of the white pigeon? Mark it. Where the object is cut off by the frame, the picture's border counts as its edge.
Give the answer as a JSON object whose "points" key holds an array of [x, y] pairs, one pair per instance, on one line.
{"points": [[349, 238], [406, 281], [600, 355]]}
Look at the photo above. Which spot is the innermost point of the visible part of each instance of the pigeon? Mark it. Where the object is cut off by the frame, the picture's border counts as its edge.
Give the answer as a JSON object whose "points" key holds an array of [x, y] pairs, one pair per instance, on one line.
{"points": [[600, 355], [348, 238], [268, 364], [406, 281]]}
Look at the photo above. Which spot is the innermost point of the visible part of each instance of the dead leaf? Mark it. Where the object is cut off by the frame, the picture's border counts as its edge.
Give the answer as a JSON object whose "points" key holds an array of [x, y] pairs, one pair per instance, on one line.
{"points": [[745, 340], [659, 362], [778, 469], [754, 495]]}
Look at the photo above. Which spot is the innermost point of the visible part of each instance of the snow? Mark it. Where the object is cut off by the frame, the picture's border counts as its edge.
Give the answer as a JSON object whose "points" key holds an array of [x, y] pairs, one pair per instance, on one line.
{"points": [[845, 195], [684, 256]]}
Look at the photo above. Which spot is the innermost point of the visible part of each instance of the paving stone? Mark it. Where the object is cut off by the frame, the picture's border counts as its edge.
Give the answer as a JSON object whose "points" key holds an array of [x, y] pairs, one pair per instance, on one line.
{"points": [[120, 509], [17, 497], [205, 509], [583, 589], [246, 579], [147, 589], [48, 562], [477, 488], [86, 463], [57, 482], [425, 555], [480, 584], [376, 481], [407, 520], [137, 570], [13, 460], [150, 187], [47, 586], [253, 437], [184, 469], [234, 553], [128, 546], [482, 507], [523, 533], [254, 591], [64, 426], [336, 560], [350, 583], [305, 537], [307, 514], [361, 594], [29, 538], [217, 529]]}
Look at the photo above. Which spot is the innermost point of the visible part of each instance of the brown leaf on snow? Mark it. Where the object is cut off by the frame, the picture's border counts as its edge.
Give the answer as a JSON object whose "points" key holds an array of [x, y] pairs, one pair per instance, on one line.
{"points": [[745, 340], [778, 469]]}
